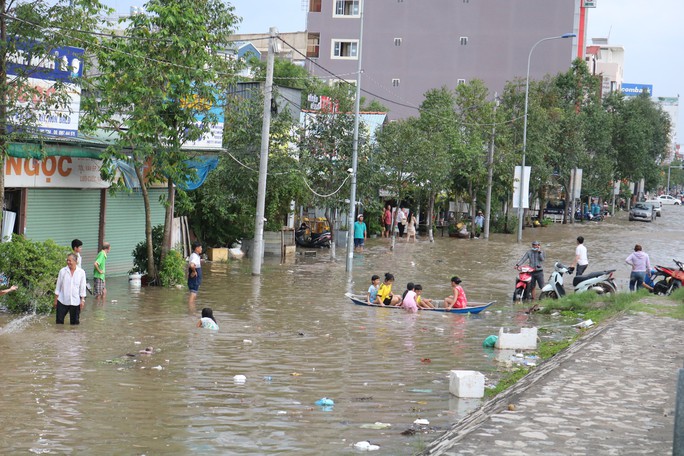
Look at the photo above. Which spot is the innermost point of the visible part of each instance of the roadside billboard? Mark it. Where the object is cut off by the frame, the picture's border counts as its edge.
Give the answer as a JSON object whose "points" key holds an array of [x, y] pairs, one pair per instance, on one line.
{"points": [[41, 73], [632, 90]]}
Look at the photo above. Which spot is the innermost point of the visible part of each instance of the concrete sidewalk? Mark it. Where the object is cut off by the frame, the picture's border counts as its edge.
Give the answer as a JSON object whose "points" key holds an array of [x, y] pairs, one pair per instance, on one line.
{"points": [[611, 393]]}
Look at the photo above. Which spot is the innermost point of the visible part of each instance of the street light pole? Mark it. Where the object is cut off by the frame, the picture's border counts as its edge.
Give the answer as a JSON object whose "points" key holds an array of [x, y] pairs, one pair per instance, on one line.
{"points": [[521, 210], [355, 150]]}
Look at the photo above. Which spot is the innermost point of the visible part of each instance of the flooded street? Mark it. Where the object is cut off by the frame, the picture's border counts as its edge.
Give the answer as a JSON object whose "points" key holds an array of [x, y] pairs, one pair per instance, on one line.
{"points": [[297, 339]]}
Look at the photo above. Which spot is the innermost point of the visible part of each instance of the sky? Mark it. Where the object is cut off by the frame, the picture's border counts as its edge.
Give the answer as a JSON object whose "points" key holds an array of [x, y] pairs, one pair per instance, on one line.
{"points": [[650, 31]]}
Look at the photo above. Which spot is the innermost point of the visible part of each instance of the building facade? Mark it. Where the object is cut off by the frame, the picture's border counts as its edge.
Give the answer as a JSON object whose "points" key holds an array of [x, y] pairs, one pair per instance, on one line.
{"points": [[608, 62], [410, 46]]}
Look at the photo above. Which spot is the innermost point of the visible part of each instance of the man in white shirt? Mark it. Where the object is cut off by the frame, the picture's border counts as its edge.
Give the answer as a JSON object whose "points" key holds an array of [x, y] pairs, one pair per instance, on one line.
{"points": [[401, 221], [581, 260], [70, 291]]}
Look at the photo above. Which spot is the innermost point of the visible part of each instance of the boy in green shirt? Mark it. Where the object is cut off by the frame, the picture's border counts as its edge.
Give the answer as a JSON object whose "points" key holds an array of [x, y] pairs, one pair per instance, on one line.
{"points": [[99, 273]]}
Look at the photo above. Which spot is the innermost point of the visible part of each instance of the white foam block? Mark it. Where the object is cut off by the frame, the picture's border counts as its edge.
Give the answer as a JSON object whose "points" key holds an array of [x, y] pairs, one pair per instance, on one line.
{"points": [[525, 340], [464, 383]]}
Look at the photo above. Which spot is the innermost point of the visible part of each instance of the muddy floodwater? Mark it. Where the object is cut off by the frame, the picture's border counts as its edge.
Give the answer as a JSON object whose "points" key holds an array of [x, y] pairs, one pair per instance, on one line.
{"points": [[296, 339]]}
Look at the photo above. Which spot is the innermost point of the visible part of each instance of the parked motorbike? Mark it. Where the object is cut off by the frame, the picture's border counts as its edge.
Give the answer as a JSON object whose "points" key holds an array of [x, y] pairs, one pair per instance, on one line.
{"points": [[601, 282], [315, 240], [667, 279], [523, 290]]}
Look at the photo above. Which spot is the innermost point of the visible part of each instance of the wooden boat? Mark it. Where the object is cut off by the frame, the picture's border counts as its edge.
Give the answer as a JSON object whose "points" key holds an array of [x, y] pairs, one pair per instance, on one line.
{"points": [[360, 300]]}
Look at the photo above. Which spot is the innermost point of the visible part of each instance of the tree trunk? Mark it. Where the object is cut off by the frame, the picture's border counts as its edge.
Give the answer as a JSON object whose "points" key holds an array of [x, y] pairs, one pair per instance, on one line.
{"points": [[151, 270], [430, 215], [168, 220]]}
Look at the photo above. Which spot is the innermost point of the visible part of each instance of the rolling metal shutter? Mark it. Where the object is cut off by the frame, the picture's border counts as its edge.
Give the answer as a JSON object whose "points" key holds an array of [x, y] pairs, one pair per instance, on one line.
{"points": [[63, 215], [125, 226]]}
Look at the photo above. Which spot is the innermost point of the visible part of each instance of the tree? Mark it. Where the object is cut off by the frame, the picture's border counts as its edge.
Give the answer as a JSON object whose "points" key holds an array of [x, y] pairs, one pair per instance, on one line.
{"points": [[438, 123], [403, 148], [159, 87], [32, 32]]}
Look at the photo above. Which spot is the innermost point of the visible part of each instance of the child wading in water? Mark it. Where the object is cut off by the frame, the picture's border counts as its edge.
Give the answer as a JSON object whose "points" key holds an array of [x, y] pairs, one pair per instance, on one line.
{"points": [[207, 321], [458, 299]]}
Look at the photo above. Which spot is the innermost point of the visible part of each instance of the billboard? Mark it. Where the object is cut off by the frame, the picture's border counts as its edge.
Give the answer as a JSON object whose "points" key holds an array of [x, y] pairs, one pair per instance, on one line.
{"points": [[64, 64], [632, 90]]}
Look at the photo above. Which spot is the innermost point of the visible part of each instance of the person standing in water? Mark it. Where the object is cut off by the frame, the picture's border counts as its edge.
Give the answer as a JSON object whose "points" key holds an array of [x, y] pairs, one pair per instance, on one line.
{"points": [[194, 273]]}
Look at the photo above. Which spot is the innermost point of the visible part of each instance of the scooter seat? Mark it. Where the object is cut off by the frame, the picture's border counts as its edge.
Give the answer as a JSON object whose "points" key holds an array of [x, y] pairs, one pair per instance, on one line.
{"points": [[579, 279]]}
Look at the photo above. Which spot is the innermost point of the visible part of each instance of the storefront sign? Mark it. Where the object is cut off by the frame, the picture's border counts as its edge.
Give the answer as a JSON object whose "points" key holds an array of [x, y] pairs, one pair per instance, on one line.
{"points": [[589, 3], [55, 172]]}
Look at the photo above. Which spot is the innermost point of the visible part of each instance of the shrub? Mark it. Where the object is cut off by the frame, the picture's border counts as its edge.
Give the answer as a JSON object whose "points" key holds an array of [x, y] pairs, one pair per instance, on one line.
{"points": [[172, 270], [33, 266], [140, 251]]}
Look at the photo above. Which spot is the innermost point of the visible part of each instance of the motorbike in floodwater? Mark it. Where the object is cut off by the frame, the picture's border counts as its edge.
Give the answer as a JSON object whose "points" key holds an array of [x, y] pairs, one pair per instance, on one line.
{"points": [[668, 279], [601, 282], [315, 240], [523, 290]]}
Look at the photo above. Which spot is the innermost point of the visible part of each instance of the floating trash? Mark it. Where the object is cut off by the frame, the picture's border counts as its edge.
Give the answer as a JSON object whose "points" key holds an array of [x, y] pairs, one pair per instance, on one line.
{"points": [[376, 425], [246, 341], [157, 368], [585, 324], [419, 390], [421, 422], [268, 378], [325, 402], [239, 378], [365, 445]]}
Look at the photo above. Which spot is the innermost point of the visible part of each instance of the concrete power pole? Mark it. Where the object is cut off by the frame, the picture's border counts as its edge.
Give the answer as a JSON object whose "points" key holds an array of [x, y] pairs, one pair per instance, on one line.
{"points": [[355, 151], [258, 247]]}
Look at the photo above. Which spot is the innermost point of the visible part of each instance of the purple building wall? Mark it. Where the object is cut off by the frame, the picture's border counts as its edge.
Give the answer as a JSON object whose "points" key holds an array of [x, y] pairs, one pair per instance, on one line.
{"points": [[500, 34]]}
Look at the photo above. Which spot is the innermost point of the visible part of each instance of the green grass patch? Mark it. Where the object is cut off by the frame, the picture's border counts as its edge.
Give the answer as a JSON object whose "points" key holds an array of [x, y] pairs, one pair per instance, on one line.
{"points": [[593, 306], [507, 381], [549, 348]]}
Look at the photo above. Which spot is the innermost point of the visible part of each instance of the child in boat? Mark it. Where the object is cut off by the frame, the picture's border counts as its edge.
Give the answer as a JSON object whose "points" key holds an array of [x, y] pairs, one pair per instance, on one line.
{"points": [[207, 321], [409, 301], [385, 295], [458, 298], [372, 293], [423, 303]]}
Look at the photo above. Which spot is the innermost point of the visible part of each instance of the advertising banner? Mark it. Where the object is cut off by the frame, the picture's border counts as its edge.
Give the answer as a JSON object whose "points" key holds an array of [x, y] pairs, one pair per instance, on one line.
{"points": [[526, 188], [632, 90], [64, 64]]}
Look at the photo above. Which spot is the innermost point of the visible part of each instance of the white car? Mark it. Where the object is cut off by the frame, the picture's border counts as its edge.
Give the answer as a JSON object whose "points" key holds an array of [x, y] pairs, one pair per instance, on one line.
{"points": [[668, 199]]}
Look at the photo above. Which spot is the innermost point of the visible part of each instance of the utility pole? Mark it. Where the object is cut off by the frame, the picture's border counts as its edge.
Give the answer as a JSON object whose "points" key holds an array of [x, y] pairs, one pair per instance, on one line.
{"points": [[258, 247], [490, 171], [355, 152]]}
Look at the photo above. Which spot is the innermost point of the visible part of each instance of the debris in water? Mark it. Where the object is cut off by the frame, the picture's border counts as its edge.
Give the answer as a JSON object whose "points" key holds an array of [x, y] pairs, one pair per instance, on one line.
{"points": [[422, 422], [366, 446], [376, 425]]}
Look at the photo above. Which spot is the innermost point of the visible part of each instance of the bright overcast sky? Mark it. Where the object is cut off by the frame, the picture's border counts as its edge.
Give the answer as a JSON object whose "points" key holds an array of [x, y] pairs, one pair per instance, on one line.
{"points": [[650, 31]]}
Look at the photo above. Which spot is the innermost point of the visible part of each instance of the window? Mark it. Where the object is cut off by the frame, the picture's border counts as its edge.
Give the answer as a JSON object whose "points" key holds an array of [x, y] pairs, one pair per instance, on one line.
{"points": [[395, 82], [313, 41], [397, 41], [346, 8], [315, 6], [345, 49], [460, 81], [464, 40]]}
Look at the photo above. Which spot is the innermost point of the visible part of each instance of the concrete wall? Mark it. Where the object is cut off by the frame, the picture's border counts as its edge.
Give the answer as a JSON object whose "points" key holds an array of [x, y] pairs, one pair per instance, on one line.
{"points": [[500, 35]]}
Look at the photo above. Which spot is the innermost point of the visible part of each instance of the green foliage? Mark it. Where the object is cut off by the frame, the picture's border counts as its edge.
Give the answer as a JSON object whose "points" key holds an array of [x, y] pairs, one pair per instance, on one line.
{"points": [[33, 266], [140, 251], [168, 71], [224, 208], [172, 270]]}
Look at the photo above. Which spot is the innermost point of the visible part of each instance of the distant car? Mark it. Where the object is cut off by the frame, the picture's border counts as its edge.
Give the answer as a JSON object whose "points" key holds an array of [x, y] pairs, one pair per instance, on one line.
{"points": [[642, 211], [668, 199]]}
